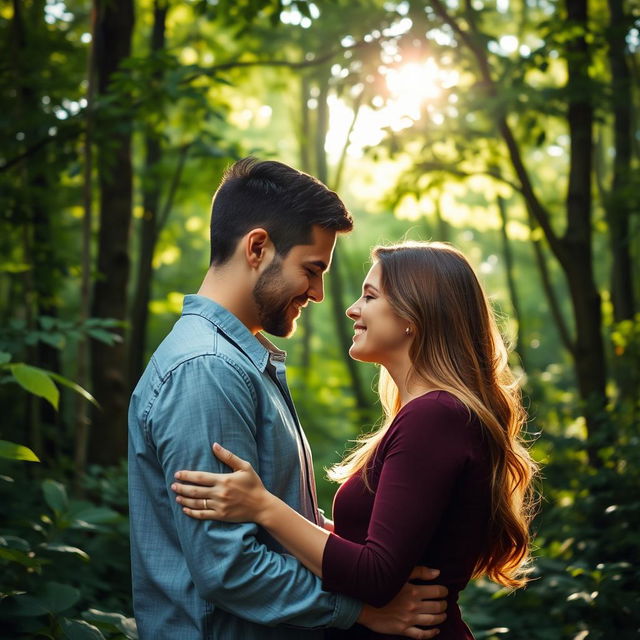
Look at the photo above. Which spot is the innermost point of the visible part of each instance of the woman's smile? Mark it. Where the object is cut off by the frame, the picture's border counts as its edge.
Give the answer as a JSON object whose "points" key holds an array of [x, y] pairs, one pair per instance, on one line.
{"points": [[358, 330]]}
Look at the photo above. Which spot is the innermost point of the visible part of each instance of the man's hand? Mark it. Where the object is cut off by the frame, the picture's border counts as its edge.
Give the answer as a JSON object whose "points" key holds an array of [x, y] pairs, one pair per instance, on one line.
{"points": [[417, 605]]}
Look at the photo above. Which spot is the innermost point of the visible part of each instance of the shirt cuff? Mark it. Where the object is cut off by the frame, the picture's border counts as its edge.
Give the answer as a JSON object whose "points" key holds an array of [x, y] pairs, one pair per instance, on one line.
{"points": [[347, 612]]}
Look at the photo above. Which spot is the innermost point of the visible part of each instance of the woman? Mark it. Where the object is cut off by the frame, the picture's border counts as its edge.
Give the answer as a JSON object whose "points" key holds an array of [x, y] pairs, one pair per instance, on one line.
{"points": [[445, 481]]}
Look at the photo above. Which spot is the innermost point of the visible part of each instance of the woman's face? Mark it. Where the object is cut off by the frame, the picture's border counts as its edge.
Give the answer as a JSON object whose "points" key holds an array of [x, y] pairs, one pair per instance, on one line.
{"points": [[379, 332]]}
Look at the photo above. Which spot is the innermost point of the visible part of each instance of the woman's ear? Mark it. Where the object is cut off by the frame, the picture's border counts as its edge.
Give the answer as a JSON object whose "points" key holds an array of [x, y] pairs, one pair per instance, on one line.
{"points": [[257, 247]]}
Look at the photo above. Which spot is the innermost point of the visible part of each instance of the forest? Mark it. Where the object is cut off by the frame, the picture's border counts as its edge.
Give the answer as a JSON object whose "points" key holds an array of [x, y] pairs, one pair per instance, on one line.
{"points": [[508, 128]]}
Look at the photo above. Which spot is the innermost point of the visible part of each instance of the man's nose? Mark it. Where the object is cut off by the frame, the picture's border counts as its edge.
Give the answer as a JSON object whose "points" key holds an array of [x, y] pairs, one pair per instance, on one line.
{"points": [[316, 291]]}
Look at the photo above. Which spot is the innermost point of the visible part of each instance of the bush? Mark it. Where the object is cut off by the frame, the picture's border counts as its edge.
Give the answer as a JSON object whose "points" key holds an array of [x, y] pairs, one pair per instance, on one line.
{"points": [[586, 575], [64, 563]]}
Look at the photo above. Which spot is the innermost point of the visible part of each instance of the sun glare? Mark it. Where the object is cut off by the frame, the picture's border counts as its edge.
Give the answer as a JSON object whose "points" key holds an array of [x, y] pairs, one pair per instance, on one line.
{"points": [[412, 87], [413, 83]]}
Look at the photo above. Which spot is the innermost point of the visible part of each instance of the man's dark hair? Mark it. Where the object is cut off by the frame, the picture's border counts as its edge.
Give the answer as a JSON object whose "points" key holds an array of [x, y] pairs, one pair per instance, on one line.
{"points": [[285, 202]]}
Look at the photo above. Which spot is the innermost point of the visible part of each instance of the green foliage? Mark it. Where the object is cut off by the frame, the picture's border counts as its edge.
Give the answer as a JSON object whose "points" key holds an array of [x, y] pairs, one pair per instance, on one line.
{"points": [[60, 556], [35, 381], [41, 383], [57, 333], [584, 576], [13, 451], [35, 552]]}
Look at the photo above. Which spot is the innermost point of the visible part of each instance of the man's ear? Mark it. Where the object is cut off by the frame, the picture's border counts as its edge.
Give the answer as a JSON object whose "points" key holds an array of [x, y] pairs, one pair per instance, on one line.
{"points": [[257, 247]]}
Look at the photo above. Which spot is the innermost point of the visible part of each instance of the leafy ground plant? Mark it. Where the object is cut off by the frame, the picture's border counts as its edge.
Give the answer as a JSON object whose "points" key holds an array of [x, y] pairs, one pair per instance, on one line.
{"points": [[48, 581]]}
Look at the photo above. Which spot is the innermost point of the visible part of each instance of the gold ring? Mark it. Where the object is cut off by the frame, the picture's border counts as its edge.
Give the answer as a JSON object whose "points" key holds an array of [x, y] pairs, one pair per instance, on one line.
{"points": [[205, 503]]}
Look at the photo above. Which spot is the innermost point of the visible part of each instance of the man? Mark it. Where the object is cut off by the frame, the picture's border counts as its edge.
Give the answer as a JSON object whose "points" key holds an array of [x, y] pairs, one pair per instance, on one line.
{"points": [[216, 378]]}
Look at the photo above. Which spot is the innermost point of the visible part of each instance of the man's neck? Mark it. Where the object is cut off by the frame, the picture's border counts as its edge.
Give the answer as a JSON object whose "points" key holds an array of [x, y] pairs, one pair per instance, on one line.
{"points": [[226, 288]]}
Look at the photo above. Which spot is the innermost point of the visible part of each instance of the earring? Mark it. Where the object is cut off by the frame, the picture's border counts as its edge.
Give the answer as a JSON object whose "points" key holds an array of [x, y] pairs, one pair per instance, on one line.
{"points": [[407, 331]]}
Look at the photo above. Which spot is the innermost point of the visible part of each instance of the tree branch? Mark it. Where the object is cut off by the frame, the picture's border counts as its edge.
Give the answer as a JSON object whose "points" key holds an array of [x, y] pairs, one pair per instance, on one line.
{"points": [[550, 294], [337, 181], [225, 66], [289, 64], [436, 166], [175, 183]]}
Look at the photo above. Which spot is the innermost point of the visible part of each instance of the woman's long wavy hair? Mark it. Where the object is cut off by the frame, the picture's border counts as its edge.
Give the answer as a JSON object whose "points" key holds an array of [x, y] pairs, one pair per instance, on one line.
{"points": [[457, 348]]}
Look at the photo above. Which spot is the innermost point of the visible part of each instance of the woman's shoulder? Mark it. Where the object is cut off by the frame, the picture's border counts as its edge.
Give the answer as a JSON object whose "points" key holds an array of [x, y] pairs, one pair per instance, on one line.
{"points": [[439, 401], [436, 411]]}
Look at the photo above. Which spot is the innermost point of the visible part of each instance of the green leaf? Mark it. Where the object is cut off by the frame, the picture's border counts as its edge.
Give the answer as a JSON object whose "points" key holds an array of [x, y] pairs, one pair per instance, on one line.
{"points": [[84, 526], [104, 617], [104, 322], [21, 558], [56, 495], [72, 385], [107, 337], [55, 340], [4, 357], [54, 598], [10, 594], [13, 542], [58, 547], [14, 267], [80, 630], [47, 322], [13, 451], [126, 625], [36, 381], [95, 515], [129, 628]]}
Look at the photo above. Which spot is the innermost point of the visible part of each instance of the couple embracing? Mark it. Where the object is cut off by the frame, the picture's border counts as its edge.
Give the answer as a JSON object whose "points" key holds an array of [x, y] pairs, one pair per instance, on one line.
{"points": [[440, 493]]}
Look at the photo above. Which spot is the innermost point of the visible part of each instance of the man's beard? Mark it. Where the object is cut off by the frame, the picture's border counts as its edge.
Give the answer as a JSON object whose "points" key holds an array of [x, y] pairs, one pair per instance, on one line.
{"points": [[273, 307]]}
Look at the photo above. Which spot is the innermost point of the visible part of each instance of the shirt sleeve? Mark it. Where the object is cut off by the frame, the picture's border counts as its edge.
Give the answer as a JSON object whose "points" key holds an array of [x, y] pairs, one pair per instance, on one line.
{"points": [[205, 400], [422, 459]]}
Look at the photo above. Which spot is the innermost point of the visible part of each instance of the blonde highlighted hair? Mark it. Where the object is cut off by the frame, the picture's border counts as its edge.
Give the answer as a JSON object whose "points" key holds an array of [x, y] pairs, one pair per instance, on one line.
{"points": [[457, 348]]}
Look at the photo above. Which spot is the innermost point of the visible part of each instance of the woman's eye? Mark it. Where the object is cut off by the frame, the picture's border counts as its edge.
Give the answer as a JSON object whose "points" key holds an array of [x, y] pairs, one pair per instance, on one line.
{"points": [[367, 298]]}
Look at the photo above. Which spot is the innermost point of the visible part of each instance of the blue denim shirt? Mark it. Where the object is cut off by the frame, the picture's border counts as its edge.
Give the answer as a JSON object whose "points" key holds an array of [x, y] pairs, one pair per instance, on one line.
{"points": [[212, 380]]}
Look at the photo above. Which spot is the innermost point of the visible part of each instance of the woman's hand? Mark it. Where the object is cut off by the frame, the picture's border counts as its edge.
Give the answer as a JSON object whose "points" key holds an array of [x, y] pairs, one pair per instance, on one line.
{"points": [[230, 497], [241, 497]]}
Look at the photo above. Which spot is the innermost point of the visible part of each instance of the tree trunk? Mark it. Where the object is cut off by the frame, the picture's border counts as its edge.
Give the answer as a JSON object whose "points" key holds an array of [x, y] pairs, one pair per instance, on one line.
{"points": [[548, 289], [304, 146], [344, 339], [322, 126], [577, 250], [443, 228], [573, 250], [149, 224], [108, 363], [519, 343], [82, 420], [337, 181], [618, 205], [42, 280], [304, 137], [335, 277]]}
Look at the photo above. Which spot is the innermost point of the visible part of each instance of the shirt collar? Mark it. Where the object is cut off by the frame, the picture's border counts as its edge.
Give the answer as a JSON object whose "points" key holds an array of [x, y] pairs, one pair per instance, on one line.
{"points": [[256, 347]]}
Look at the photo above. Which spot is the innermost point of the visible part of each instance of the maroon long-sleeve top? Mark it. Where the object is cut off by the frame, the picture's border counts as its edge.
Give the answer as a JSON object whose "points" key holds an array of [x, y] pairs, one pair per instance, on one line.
{"points": [[429, 505]]}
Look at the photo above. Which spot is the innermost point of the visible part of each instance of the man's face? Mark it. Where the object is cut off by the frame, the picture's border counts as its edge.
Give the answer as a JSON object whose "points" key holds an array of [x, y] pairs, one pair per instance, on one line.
{"points": [[286, 285]]}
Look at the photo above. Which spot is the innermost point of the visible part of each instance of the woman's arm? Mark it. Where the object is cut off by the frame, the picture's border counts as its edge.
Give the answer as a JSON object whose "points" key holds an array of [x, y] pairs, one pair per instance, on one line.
{"points": [[241, 497], [423, 458]]}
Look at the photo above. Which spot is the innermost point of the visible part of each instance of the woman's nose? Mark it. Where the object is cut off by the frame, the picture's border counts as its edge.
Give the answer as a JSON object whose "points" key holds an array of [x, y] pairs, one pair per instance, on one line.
{"points": [[353, 311]]}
